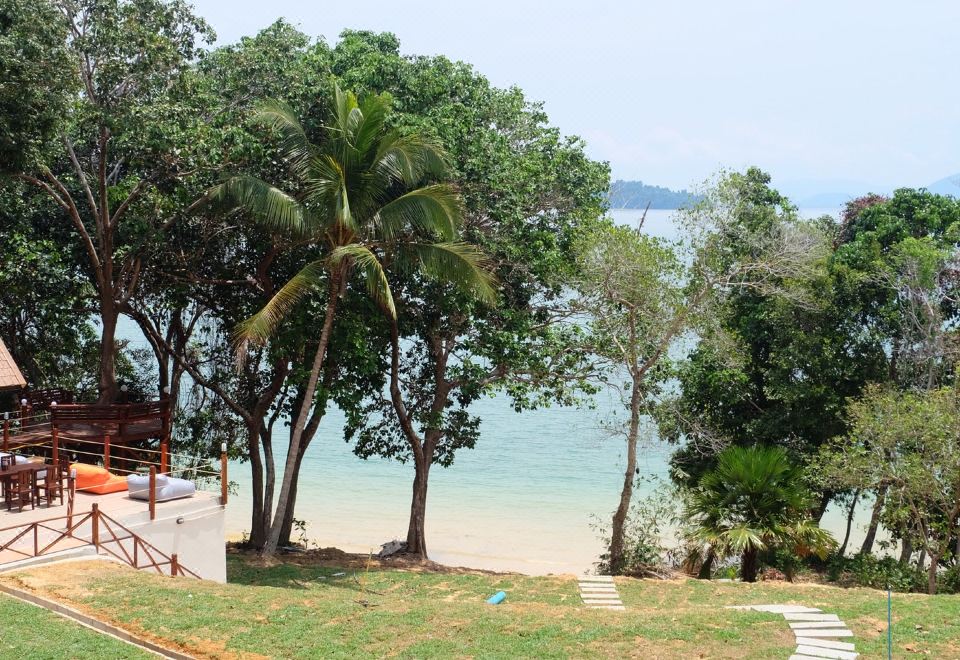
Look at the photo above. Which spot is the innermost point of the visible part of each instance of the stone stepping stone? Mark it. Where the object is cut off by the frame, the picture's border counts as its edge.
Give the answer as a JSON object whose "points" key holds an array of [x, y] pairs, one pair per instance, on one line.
{"points": [[619, 608], [599, 592], [817, 652], [802, 616], [825, 643], [824, 632], [805, 657], [777, 609], [598, 585], [801, 625], [612, 594]]}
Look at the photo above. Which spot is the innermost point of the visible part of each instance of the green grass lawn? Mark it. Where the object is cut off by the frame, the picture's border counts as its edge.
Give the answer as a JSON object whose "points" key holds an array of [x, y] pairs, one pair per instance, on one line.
{"points": [[31, 633], [292, 611]]}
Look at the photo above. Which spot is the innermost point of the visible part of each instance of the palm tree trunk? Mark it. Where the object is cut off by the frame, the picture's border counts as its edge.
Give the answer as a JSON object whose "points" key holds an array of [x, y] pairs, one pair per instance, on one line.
{"points": [[296, 433], [749, 565], [617, 531], [308, 434], [706, 569]]}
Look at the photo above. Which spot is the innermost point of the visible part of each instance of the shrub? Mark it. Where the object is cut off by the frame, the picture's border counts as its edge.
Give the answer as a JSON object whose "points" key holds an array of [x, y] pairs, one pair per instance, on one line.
{"points": [[876, 572]]}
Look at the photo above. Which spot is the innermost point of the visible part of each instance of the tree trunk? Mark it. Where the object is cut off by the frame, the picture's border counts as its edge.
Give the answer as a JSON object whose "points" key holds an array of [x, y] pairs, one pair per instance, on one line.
{"points": [[416, 534], [867, 546], [617, 532], [749, 565], [108, 351], [706, 569], [309, 432], [287, 529], [822, 505], [846, 537], [906, 550], [296, 433], [258, 530], [932, 574]]}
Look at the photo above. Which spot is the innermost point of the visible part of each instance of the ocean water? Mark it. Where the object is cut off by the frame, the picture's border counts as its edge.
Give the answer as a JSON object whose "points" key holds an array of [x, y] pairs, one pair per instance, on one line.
{"points": [[526, 499]]}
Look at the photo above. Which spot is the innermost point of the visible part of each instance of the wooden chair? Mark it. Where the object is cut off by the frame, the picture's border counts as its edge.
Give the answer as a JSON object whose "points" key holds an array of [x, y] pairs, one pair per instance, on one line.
{"points": [[20, 491], [51, 486], [5, 462]]}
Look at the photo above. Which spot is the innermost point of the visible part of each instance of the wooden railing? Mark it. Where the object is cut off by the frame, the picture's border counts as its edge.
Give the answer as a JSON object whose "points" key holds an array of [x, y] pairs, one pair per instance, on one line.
{"points": [[106, 535]]}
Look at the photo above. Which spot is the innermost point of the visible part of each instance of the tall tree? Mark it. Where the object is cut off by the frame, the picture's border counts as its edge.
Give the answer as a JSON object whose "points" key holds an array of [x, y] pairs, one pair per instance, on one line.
{"points": [[642, 297], [527, 191], [362, 196], [778, 354], [119, 139], [907, 443]]}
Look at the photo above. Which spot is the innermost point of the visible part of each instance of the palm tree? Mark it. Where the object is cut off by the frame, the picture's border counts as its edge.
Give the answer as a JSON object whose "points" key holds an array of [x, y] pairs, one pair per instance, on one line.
{"points": [[368, 196], [752, 501]]}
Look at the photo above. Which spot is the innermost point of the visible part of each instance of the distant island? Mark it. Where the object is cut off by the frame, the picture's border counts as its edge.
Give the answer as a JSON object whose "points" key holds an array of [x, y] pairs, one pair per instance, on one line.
{"points": [[637, 194]]}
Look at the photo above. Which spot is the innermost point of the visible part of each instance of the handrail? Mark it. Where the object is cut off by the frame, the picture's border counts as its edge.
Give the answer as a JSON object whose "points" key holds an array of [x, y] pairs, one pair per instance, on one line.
{"points": [[99, 522]]}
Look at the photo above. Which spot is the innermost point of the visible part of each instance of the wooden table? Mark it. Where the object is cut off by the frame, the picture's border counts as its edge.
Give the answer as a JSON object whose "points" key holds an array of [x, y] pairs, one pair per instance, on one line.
{"points": [[32, 467]]}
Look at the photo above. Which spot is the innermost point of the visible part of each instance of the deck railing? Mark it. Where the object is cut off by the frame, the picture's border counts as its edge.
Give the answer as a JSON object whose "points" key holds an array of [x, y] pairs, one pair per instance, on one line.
{"points": [[107, 536], [114, 457]]}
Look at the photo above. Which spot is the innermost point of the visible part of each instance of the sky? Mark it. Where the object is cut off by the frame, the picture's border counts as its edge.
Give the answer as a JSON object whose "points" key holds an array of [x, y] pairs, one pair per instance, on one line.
{"points": [[827, 96]]}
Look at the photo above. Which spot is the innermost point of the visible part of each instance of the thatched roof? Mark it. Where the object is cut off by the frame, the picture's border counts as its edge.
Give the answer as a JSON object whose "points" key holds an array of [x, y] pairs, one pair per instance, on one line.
{"points": [[10, 376]]}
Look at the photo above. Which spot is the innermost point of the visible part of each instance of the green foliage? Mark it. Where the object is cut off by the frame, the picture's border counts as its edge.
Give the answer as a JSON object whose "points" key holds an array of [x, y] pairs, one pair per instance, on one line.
{"points": [[357, 194], [754, 500], [907, 442], [877, 573], [43, 320], [779, 352], [527, 191], [647, 532], [35, 80]]}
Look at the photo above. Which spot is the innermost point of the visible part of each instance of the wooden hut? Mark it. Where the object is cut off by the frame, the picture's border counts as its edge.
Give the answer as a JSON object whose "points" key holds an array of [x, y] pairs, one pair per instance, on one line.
{"points": [[10, 376]]}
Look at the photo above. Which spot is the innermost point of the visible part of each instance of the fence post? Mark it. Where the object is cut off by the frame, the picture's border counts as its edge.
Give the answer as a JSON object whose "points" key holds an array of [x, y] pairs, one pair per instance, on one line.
{"points": [[106, 451], [174, 565], [153, 492], [54, 434], [165, 429], [223, 474], [95, 524], [6, 432], [71, 492]]}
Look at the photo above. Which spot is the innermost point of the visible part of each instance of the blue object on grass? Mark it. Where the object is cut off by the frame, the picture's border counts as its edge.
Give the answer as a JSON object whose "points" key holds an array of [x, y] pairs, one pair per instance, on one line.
{"points": [[497, 598]]}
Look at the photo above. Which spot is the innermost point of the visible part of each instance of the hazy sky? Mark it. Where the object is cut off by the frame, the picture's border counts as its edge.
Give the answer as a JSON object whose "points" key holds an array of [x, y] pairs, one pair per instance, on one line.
{"points": [[821, 92]]}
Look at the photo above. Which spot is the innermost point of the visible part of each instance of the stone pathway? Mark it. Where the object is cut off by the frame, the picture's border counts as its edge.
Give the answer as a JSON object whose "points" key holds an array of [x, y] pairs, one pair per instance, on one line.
{"points": [[600, 593], [817, 633]]}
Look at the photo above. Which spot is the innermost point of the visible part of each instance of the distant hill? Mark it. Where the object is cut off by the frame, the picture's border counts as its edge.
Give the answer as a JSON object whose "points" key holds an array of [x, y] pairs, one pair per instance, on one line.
{"points": [[947, 186], [636, 195]]}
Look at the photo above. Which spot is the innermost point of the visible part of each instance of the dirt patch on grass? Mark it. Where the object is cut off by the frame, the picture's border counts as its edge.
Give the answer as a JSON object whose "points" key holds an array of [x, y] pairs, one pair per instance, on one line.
{"points": [[337, 558]]}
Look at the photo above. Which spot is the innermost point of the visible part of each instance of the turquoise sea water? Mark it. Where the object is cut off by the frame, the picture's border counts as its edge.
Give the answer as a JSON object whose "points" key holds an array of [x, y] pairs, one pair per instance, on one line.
{"points": [[524, 499]]}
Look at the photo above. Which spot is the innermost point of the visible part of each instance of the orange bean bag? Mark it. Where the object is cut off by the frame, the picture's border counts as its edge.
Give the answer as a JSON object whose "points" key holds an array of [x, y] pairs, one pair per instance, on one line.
{"points": [[94, 479]]}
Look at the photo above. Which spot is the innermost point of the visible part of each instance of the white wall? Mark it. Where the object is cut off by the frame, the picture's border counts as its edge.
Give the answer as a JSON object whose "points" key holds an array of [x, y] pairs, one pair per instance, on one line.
{"points": [[195, 533]]}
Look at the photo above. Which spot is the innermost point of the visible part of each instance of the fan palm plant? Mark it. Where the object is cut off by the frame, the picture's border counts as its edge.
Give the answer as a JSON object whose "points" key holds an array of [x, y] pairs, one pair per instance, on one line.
{"points": [[752, 501], [368, 196]]}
